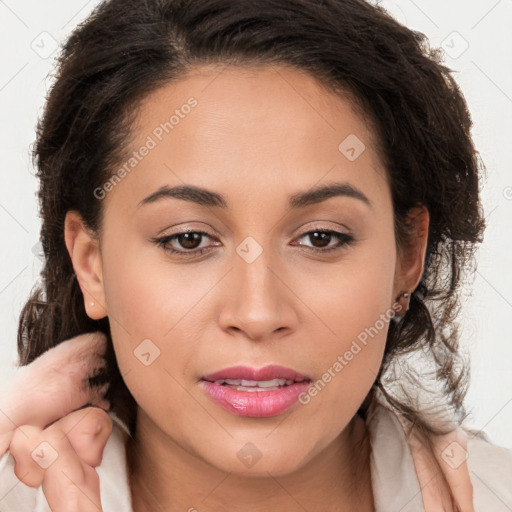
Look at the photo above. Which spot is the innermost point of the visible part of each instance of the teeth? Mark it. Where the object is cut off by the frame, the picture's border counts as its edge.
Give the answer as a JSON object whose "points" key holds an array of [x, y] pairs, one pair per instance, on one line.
{"points": [[255, 383], [250, 383], [256, 389], [269, 383]]}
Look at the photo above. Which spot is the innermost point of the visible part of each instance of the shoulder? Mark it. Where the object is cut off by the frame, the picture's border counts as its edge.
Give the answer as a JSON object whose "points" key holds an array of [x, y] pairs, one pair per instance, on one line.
{"points": [[395, 484], [490, 468], [475, 471]]}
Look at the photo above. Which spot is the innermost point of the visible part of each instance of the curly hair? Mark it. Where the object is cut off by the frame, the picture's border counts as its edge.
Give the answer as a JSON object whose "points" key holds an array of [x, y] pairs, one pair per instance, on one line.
{"points": [[127, 49]]}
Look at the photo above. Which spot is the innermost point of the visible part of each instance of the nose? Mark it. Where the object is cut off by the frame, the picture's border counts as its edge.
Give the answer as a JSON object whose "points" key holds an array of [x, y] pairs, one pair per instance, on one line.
{"points": [[258, 302]]}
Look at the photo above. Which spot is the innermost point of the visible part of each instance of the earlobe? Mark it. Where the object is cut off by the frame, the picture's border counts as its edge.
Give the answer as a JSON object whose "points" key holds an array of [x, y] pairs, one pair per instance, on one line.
{"points": [[83, 249]]}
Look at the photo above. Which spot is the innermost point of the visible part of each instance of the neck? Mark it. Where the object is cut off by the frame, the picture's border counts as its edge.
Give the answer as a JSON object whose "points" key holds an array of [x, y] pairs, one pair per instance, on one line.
{"points": [[164, 477]]}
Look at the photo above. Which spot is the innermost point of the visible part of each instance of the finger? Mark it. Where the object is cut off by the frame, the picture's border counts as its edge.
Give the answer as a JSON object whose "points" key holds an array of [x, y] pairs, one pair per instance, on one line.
{"points": [[26, 448], [70, 484], [57, 382], [48, 458], [88, 431], [5, 441], [55, 405], [76, 361]]}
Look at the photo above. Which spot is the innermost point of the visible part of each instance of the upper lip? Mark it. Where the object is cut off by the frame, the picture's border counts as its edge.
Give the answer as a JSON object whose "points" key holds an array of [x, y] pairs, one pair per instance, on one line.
{"points": [[269, 372]]}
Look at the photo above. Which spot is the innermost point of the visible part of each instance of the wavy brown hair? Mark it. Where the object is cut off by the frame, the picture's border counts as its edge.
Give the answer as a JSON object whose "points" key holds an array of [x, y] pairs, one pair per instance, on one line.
{"points": [[126, 49]]}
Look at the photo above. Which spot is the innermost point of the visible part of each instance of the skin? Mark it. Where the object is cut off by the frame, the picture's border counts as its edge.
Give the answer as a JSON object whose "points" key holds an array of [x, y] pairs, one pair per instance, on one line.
{"points": [[44, 403], [256, 136], [74, 446]]}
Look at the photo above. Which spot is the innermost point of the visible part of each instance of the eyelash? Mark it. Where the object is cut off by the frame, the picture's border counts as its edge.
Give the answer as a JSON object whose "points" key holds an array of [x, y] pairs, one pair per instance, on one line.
{"points": [[343, 238]]}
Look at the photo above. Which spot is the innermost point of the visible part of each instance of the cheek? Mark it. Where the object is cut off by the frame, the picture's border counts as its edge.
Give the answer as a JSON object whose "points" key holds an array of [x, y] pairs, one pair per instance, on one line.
{"points": [[146, 295], [153, 309], [349, 296], [352, 312]]}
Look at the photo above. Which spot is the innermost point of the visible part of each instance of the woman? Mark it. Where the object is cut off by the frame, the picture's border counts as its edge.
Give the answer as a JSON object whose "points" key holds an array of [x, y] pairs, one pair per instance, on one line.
{"points": [[267, 209]]}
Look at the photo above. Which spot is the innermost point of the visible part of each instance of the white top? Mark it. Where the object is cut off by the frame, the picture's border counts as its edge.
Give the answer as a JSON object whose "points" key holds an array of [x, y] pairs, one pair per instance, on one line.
{"points": [[394, 480]]}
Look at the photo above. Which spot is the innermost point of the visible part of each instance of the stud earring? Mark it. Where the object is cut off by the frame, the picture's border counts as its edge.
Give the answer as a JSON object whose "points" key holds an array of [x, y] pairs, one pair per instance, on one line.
{"points": [[91, 303], [401, 306]]}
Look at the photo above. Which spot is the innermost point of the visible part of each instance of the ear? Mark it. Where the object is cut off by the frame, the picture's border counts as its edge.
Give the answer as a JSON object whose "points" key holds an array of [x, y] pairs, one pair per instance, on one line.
{"points": [[84, 251], [412, 252]]}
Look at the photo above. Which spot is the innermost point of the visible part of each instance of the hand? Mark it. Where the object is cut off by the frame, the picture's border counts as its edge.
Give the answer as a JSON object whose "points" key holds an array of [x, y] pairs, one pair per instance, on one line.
{"points": [[53, 385], [62, 458]]}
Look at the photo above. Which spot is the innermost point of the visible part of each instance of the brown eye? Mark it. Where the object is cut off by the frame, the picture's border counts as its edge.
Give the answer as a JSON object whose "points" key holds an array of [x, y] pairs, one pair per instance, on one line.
{"points": [[321, 240], [189, 240], [185, 243]]}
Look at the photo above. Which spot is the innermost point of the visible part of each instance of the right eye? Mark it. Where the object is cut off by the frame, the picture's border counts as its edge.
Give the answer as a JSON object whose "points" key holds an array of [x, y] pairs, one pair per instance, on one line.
{"points": [[190, 242]]}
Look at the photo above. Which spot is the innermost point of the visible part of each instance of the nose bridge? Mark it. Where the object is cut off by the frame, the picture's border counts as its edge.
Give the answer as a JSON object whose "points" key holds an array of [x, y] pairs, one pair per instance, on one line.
{"points": [[253, 271], [257, 302]]}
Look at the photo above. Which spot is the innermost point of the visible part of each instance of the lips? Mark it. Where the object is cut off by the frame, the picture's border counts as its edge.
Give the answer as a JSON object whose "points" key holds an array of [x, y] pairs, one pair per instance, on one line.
{"points": [[247, 373], [255, 392]]}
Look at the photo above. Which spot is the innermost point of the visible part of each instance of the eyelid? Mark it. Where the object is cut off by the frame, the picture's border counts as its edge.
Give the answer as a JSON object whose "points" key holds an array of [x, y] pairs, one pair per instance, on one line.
{"points": [[164, 240], [302, 232], [344, 239], [316, 226]]}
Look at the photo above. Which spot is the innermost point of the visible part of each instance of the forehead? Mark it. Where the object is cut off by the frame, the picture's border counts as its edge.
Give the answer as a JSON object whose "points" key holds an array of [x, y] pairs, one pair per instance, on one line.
{"points": [[248, 130]]}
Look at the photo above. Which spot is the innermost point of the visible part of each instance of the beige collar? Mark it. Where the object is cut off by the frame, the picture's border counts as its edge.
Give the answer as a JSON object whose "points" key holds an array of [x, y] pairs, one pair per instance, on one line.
{"points": [[430, 480]]}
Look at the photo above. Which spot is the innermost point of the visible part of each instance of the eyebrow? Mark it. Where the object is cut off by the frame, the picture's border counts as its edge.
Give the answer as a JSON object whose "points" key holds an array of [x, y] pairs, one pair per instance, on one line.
{"points": [[205, 197]]}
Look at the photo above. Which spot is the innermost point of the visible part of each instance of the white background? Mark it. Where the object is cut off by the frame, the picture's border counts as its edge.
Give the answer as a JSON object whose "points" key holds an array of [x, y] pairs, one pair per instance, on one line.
{"points": [[478, 42]]}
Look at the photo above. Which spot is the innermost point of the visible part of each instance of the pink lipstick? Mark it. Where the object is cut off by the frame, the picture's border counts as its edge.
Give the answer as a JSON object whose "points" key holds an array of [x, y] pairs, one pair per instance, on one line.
{"points": [[255, 392]]}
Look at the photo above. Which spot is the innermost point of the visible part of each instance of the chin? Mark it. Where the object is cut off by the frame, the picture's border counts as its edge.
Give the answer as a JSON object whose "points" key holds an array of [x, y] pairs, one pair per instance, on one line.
{"points": [[249, 460]]}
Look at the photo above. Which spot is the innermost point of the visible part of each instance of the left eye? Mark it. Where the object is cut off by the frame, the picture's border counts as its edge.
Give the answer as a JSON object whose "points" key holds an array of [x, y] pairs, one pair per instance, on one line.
{"points": [[325, 237], [190, 241]]}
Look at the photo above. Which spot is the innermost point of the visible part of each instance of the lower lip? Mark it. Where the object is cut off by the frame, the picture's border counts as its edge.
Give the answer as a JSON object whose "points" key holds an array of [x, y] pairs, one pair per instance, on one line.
{"points": [[255, 404]]}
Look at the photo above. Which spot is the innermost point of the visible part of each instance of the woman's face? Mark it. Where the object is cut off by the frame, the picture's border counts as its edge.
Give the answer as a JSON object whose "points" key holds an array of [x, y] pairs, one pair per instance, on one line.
{"points": [[259, 294]]}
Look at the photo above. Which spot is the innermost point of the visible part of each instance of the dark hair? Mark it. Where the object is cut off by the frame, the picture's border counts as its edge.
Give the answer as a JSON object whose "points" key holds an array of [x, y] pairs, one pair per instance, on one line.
{"points": [[129, 48]]}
